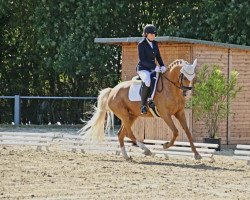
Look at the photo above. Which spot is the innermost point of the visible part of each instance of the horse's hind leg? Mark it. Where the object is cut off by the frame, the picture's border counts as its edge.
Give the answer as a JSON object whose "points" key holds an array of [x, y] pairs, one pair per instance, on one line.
{"points": [[127, 122], [121, 136]]}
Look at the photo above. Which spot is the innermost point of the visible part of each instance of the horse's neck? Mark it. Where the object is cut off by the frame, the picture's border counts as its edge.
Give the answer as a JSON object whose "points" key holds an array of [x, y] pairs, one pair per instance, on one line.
{"points": [[169, 79]]}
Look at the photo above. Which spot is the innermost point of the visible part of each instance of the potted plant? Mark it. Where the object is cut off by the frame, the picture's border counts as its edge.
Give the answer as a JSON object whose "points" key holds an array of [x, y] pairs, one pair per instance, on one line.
{"points": [[211, 99]]}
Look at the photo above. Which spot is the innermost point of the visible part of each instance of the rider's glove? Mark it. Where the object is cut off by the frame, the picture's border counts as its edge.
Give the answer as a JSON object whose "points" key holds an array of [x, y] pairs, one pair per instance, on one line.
{"points": [[163, 69], [157, 69]]}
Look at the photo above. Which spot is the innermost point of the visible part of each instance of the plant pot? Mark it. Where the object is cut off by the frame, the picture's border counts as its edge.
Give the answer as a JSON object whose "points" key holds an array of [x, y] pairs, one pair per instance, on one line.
{"points": [[213, 141]]}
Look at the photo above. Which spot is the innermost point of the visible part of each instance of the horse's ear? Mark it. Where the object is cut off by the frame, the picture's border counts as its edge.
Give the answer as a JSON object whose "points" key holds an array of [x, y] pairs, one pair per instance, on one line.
{"points": [[195, 63]]}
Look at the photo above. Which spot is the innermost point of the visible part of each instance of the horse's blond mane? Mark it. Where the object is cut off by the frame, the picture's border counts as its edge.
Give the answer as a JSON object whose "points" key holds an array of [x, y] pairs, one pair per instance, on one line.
{"points": [[178, 62]]}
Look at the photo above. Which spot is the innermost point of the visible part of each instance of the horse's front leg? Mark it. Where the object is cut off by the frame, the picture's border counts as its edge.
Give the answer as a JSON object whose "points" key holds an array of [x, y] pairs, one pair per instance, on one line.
{"points": [[170, 123], [182, 119]]}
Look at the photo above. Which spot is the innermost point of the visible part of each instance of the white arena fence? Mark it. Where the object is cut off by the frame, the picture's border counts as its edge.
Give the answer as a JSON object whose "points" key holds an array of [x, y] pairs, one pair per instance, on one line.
{"points": [[38, 140], [242, 152], [76, 143]]}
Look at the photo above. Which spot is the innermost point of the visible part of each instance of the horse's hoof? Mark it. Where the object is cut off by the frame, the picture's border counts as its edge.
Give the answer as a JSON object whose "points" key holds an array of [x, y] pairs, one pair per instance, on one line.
{"points": [[166, 145], [197, 157], [147, 152], [129, 158]]}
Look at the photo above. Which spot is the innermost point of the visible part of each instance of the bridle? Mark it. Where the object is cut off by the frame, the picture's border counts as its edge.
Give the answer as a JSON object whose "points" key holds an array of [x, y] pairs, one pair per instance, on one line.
{"points": [[180, 80]]}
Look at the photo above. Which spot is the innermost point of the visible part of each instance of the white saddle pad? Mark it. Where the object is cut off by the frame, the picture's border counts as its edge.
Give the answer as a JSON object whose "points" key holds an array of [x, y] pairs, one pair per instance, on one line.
{"points": [[134, 90]]}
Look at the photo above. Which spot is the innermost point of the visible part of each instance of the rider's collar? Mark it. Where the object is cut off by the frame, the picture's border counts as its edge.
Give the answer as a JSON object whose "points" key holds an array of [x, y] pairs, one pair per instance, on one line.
{"points": [[150, 42]]}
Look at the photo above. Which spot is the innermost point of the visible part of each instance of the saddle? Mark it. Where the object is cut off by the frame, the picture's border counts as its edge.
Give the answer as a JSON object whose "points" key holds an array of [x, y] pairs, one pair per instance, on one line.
{"points": [[135, 94]]}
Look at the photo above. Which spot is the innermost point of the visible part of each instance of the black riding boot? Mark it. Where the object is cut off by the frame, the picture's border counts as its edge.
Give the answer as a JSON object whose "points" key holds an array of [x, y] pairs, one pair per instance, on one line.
{"points": [[144, 96], [151, 103]]}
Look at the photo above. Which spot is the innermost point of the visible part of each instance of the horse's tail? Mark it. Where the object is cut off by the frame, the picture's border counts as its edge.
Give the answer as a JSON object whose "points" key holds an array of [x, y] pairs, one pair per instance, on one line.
{"points": [[94, 129]]}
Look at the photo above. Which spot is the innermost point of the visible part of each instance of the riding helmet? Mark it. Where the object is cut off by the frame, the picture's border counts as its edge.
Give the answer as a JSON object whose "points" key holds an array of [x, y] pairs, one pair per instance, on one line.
{"points": [[149, 28]]}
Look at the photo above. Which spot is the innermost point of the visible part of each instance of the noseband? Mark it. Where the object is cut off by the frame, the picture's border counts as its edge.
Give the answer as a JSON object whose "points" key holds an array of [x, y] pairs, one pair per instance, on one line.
{"points": [[181, 86]]}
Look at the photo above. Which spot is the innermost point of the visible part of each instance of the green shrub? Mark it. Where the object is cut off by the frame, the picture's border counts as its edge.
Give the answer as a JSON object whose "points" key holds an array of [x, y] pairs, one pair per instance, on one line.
{"points": [[212, 96]]}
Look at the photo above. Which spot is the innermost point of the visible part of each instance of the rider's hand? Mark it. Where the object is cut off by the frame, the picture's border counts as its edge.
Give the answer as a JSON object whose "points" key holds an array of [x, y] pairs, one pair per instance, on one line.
{"points": [[163, 69], [157, 69]]}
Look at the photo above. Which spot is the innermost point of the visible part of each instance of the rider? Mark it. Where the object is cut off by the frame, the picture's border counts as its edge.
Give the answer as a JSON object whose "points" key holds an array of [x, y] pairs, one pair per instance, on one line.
{"points": [[148, 51]]}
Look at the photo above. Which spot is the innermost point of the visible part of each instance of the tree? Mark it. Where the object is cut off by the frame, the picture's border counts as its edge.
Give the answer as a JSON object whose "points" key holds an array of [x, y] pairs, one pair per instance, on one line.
{"points": [[47, 47]]}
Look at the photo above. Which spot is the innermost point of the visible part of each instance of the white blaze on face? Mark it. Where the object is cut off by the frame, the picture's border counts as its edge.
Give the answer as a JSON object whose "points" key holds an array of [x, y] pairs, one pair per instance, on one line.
{"points": [[189, 70]]}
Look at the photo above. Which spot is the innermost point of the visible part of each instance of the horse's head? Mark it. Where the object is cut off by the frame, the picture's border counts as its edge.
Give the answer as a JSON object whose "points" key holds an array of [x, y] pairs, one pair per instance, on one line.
{"points": [[185, 73], [188, 70]]}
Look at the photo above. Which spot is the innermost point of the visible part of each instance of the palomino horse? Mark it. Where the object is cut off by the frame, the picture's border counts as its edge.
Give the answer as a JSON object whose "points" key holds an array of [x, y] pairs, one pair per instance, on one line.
{"points": [[169, 99]]}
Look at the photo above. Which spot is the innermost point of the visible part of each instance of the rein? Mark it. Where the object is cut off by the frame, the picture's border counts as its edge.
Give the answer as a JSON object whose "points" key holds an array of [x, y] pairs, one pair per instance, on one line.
{"points": [[181, 87]]}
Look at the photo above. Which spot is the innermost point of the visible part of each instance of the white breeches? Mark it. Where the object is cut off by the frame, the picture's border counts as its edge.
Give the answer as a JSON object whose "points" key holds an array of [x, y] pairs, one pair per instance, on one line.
{"points": [[145, 77]]}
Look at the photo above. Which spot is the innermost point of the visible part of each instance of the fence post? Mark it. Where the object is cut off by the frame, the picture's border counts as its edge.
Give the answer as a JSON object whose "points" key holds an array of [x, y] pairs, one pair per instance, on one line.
{"points": [[17, 110]]}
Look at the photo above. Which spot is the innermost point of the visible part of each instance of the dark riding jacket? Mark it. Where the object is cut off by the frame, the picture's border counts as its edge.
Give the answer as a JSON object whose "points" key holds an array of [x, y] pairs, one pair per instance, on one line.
{"points": [[147, 55]]}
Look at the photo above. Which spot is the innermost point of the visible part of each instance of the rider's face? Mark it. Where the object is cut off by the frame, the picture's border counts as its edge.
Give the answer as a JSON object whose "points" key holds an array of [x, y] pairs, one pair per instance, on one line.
{"points": [[151, 36]]}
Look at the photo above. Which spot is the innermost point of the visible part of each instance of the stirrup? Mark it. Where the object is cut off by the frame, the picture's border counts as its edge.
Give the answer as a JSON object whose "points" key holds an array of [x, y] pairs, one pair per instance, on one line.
{"points": [[144, 110], [151, 104]]}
